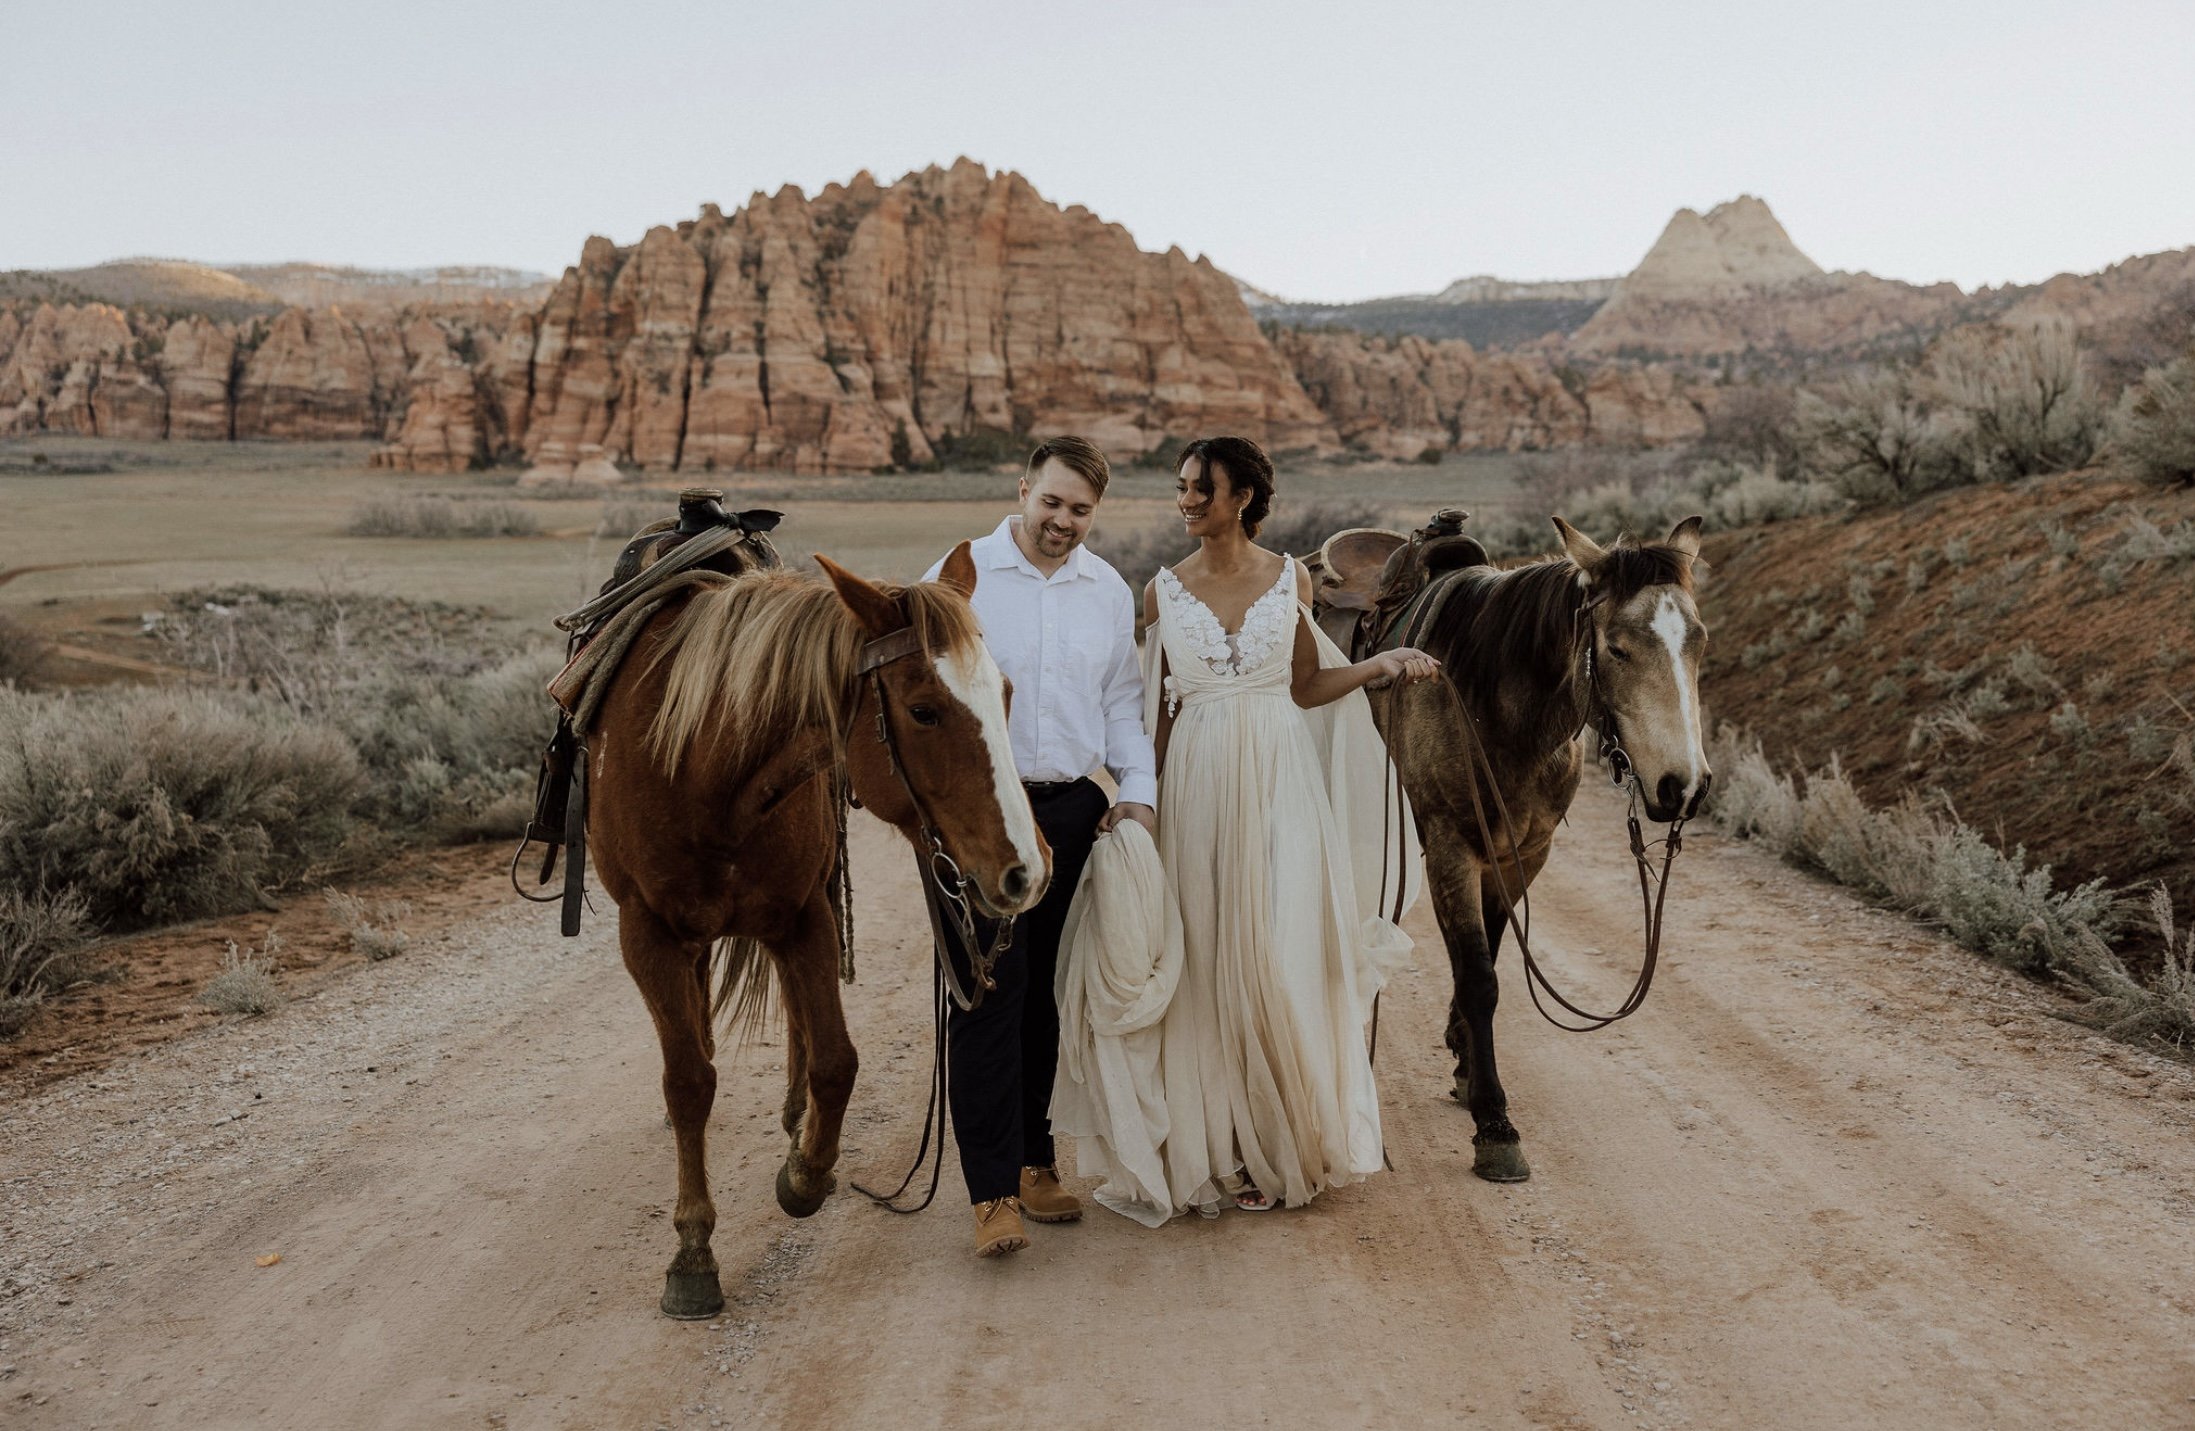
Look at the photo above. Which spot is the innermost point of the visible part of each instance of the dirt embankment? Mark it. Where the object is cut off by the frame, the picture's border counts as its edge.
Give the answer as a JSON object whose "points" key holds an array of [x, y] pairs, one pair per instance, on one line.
{"points": [[1837, 1173], [2024, 649]]}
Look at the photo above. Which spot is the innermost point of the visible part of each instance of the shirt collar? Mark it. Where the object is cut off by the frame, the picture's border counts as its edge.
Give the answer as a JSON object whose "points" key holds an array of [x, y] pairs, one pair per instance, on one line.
{"points": [[1001, 550]]}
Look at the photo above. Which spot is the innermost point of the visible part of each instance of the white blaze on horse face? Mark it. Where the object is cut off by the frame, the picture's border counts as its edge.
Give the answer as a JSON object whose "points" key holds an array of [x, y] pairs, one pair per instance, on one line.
{"points": [[976, 682], [1670, 625]]}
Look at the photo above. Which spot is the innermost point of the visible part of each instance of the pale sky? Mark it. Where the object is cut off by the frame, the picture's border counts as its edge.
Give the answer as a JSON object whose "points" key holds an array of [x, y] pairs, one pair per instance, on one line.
{"points": [[1320, 151]]}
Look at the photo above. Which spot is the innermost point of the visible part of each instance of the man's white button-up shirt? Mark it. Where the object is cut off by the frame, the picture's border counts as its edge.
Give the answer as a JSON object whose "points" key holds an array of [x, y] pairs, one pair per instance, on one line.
{"points": [[1068, 643]]}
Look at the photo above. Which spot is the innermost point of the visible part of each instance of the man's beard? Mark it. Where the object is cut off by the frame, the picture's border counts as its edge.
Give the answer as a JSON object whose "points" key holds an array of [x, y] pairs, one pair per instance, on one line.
{"points": [[1055, 543]]}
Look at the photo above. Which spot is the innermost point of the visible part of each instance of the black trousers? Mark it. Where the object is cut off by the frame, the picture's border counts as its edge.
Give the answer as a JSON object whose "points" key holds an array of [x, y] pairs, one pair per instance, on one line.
{"points": [[1003, 1053]]}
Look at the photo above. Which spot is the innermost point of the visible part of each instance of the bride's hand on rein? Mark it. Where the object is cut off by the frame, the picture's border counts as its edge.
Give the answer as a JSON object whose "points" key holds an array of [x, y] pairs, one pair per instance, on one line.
{"points": [[1405, 664]]}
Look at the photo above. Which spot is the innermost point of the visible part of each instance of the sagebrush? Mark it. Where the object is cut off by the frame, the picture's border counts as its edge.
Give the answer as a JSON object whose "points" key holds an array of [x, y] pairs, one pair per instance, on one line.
{"points": [[441, 517], [245, 984], [1921, 858]]}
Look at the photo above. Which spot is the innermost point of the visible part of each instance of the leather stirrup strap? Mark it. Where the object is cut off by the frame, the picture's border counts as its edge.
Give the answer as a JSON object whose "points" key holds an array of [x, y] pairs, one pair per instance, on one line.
{"points": [[575, 844]]}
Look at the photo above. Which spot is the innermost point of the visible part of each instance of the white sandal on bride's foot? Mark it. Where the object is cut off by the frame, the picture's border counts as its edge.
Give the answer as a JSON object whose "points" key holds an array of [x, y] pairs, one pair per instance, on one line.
{"points": [[1251, 1200]]}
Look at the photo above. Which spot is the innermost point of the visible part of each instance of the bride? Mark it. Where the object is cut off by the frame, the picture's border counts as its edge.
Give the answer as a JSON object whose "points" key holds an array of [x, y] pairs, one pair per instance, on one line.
{"points": [[1255, 1087]]}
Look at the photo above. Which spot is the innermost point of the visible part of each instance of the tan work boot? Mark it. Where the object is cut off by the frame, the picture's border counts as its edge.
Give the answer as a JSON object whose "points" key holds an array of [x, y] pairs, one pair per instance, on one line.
{"points": [[1044, 1199], [998, 1227]]}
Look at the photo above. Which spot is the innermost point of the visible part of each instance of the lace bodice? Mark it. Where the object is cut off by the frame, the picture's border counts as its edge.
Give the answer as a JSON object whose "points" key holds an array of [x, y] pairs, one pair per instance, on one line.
{"points": [[1266, 626]]}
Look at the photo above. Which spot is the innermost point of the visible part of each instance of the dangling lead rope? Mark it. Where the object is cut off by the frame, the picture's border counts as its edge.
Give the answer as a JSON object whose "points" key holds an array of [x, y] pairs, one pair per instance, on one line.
{"points": [[933, 1117]]}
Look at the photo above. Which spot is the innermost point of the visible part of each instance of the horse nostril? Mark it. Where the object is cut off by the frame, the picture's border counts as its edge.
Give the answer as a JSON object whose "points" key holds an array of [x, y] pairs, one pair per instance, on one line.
{"points": [[1699, 796], [1014, 884], [1669, 792]]}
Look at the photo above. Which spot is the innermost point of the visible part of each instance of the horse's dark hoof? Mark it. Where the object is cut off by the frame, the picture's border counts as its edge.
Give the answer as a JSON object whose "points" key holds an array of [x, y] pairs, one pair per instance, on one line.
{"points": [[691, 1296], [793, 1200], [1500, 1162]]}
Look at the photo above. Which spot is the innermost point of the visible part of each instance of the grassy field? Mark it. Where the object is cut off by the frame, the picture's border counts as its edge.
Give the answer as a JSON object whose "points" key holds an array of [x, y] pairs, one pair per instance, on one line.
{"points": [[100, 530]]}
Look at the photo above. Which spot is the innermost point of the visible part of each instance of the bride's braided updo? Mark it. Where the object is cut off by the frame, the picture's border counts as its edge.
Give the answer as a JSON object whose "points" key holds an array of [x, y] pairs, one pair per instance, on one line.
{"points": [[1247, 467]]}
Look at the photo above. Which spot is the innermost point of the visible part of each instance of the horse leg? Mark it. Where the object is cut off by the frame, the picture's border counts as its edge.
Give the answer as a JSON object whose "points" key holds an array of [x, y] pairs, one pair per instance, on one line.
{"points": [[674, 982], [796, 1081], [807, 968], [1497, 1148]]}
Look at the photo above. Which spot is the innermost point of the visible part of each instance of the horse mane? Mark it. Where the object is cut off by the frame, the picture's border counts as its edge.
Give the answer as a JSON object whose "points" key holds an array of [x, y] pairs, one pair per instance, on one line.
{"points": [[771, 652], [1523, 620]]}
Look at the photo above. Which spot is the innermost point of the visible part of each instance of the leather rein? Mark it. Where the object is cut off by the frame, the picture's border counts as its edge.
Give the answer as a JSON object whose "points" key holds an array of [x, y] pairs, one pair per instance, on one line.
{"points": [[1653, 884]]}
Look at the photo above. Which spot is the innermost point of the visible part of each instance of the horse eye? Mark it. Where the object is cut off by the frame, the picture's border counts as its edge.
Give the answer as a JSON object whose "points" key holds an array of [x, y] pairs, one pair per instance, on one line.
{"points": [[1618, 652], [924, 715]]}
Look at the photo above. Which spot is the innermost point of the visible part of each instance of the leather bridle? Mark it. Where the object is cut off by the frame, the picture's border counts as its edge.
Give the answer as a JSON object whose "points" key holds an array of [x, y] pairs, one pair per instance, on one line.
{"points": [[945, 886]]}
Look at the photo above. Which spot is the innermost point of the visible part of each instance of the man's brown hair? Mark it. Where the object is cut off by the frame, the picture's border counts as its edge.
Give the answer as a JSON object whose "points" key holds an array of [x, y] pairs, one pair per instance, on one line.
{"points": [[1077, 455]]}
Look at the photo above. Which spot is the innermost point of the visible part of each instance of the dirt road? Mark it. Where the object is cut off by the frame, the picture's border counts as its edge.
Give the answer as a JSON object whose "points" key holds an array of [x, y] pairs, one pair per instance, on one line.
{"points": [[1837, 1174]]}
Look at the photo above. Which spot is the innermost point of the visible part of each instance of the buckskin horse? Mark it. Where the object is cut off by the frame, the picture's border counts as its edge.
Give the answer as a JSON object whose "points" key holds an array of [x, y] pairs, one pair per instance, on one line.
{"points": [[1606, 636], [715, 824]]}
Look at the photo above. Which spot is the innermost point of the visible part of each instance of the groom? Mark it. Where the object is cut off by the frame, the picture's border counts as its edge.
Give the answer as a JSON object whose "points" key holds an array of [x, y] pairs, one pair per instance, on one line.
{"points": [[1060, 622]]}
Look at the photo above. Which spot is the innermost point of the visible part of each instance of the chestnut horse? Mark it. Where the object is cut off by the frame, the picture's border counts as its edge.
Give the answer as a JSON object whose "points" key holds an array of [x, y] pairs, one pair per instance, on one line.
{"points": [[1531, 655], [716, 763]]}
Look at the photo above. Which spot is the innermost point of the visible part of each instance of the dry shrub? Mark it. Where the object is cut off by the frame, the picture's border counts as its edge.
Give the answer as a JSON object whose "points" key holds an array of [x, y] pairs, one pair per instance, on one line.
{"points": [[2024, 405], [22, 654], [2153, 431], [2161, 1009], [1751, 800], [1937, 728], [1991, 902], [454, 758], [42, 938], [245, 984], [1876, 437], [314, 650], [1912, 857], [159, 805], [441, 517], [1755, 424], [449, 732], [360, 722], [375, 927]]}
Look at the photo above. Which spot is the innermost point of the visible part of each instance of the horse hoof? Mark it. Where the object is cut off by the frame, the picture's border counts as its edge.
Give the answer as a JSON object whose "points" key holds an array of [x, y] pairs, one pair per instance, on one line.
{"points": [[1500, 1162], [795, 1202], [691, 1296]]}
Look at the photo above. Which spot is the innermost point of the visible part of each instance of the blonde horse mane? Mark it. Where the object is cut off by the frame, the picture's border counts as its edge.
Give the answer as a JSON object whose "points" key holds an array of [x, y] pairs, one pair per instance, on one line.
{"points": [[771, 652]]}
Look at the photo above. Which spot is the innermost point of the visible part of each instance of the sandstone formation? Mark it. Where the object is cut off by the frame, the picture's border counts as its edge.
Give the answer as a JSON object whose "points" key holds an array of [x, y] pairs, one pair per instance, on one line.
{"points": [[95, 370], [1731, 281], [869, 326], [882, 326], [198, 367], [1396, 397], [76, 369]]}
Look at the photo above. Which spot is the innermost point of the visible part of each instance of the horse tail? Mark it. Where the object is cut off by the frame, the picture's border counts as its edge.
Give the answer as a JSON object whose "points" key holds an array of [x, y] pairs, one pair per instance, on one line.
{"points": [[742, 987]]}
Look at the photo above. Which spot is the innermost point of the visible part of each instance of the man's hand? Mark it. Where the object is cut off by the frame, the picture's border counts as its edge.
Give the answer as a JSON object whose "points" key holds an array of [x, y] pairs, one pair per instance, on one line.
{"points": [[1143, 815]]}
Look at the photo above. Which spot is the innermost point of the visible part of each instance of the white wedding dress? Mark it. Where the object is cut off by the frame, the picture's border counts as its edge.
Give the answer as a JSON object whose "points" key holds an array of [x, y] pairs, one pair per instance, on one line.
{"points": [[1280, 839]]}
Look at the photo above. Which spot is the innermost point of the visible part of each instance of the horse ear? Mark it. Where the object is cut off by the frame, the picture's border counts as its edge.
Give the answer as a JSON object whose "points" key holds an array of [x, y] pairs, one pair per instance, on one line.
{"points": [[1685, 536], [1579, 547], [878, 614], [959, 571]]}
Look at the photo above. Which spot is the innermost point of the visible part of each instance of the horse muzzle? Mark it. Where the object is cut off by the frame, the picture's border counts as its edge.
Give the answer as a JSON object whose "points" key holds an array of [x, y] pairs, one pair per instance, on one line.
{"points": [[1667, 802], [1019, 887]]}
